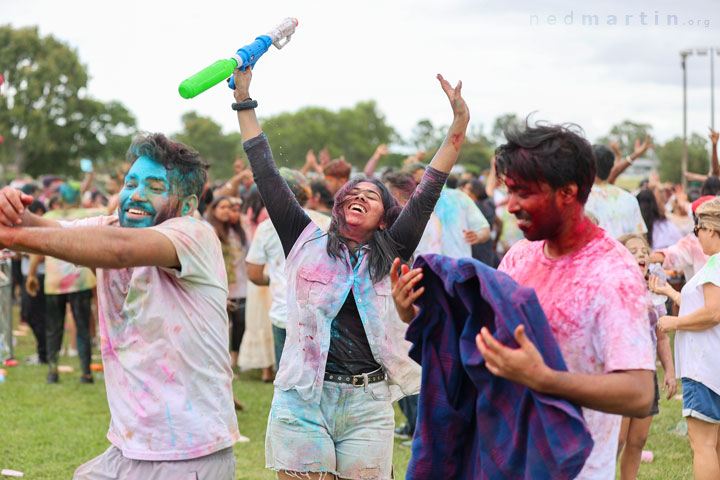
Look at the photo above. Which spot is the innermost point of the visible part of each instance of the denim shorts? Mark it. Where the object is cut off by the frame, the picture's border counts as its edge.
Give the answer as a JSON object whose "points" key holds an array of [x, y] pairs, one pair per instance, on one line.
{"points": [[700, 402], [350, 433]]}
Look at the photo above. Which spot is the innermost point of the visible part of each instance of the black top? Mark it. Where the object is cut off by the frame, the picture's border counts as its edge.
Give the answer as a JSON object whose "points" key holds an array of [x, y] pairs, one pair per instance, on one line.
{"points": [[349, 352]]}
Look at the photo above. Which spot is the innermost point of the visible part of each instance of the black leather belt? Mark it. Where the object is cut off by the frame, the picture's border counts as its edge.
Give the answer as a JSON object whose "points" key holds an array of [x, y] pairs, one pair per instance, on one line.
{"points": [[356, 380]]}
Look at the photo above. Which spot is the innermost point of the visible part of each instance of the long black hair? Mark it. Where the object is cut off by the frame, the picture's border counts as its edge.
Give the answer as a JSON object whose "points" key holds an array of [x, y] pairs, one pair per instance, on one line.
{"points": [[650, 211], [383, 249]]}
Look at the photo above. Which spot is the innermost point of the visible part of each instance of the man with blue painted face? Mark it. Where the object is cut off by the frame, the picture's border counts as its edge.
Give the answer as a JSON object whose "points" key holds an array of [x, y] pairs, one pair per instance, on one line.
{"points": [[162, 291]]}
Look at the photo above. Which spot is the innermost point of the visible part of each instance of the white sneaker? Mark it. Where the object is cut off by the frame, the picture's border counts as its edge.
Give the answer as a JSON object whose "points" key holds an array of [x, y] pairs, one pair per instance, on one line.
{"points": [[71, 352], [243, 439]]}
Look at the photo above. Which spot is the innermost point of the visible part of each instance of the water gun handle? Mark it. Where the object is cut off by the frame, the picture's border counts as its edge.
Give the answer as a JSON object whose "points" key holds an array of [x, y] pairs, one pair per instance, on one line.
{"points": [[249, 54]]}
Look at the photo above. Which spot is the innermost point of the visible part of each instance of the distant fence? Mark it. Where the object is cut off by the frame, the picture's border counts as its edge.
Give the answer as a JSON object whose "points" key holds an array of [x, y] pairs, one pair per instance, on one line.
{"points": [[6, 344]]}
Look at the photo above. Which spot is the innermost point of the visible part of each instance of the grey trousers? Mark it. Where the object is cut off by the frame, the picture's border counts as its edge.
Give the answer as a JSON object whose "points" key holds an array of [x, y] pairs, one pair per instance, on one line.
{"points": [[111, 465]]}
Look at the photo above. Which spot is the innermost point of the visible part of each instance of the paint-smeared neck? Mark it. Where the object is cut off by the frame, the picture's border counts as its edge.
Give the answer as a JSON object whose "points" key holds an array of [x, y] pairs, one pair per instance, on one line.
{"points": [[576, 232]]}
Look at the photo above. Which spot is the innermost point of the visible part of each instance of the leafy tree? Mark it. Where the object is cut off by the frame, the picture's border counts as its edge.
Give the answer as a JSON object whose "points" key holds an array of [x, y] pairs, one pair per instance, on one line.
{"points": [[502, 122], [206, 136], [670, 155], [625, 133], [47, 121], [425, 137], [353, 132]]}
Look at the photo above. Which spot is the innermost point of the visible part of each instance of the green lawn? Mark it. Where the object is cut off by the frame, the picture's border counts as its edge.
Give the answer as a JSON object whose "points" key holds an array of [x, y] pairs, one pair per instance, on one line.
{"points": [[48, 430]]}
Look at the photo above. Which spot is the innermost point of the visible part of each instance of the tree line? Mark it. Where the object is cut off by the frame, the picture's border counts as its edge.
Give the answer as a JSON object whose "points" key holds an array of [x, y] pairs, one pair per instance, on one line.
{"points": [[48, 123]]}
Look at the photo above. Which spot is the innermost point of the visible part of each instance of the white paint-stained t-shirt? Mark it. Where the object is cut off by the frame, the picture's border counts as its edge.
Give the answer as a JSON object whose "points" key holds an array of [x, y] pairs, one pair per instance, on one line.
{"points": [[594, 300], [164, 342], [616, 210], [697, 354]]}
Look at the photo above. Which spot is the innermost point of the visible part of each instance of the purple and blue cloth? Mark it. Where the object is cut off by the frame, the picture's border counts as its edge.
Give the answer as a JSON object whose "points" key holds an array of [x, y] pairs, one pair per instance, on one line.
{"points": [[472, 424]]}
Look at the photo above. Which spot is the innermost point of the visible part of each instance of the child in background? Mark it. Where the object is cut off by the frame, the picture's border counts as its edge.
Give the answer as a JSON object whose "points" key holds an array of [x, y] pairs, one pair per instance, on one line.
{"points": [[634, 431]]}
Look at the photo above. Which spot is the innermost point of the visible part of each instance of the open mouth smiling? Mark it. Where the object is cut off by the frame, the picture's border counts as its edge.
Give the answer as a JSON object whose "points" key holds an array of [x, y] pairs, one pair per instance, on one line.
{"points": [[356, 207], [137, 212]]}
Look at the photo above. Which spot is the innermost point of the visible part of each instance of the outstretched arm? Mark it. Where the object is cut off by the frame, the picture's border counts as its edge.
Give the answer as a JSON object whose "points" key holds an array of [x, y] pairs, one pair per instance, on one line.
{"points": [[94, 247], [410, 225], [13, 210]]}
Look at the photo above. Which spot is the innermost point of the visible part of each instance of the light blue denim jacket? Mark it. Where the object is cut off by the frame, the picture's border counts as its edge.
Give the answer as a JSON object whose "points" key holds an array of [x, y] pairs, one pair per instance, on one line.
{"points": [[318, 286]]}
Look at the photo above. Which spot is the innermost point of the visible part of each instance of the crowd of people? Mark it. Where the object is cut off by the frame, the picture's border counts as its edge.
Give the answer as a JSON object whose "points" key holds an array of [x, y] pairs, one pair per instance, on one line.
{"points": [[308, 275]]}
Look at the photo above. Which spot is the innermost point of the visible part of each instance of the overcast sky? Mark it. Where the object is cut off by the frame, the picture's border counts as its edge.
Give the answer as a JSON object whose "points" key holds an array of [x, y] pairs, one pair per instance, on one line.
{"points": [[518, 57]]}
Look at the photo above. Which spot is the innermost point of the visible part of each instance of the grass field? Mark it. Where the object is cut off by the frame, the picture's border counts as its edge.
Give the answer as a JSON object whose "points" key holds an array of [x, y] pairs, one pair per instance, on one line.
{"points": [[46, 431]]}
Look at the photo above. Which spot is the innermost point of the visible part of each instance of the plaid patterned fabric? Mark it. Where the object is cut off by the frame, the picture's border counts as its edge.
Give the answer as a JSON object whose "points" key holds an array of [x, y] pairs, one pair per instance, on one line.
{"points": [[472, 424]]}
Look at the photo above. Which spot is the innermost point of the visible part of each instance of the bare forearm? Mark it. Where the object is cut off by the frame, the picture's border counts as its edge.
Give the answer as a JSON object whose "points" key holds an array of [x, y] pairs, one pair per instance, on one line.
{"points": [[249, 126], [665, 353], [715, 166], [701, 319], [447, 155], [369, 170], [99, 247], [29, 219], [628, 393]]}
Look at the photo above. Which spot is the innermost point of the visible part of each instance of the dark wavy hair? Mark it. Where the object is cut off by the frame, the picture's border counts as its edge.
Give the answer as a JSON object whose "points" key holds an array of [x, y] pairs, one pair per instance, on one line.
{"points": [[650, 211], [383, 249], [556, 154], [222, 229], [187, 171]]}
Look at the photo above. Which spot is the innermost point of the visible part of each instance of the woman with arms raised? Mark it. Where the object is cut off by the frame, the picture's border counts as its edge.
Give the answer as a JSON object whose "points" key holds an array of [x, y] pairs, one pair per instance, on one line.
{"points": [[345, 357]]}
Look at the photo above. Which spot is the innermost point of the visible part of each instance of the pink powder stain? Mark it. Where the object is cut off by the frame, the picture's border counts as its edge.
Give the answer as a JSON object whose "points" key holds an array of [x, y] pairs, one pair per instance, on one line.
{"points": [[170, 377], [177, 329]]}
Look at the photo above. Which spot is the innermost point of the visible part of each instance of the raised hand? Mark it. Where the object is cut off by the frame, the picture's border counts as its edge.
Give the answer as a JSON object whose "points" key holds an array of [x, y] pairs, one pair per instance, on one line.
{"points": [[382, 150], [459, 107], [713, 136], [643, 147], [242, 84]]}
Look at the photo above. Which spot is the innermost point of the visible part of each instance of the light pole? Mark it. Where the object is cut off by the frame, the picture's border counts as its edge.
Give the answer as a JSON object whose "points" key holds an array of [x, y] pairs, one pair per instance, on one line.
{"points": [[683, 162], [683, 55]]}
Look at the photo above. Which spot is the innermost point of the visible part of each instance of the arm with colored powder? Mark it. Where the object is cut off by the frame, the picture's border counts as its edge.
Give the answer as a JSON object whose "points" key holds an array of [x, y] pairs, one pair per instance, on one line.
{"points": [[410, 225], [447, 155]]}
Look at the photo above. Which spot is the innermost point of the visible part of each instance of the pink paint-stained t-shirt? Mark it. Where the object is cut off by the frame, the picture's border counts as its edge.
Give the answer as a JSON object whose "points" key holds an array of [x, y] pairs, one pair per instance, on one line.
{"points": [[595, 303], [164, 343]]}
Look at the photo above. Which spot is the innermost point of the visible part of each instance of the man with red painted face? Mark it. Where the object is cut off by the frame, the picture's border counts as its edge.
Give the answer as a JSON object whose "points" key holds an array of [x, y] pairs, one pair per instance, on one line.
{"points": [[588, 285], [345, 358], [162, 291]]}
